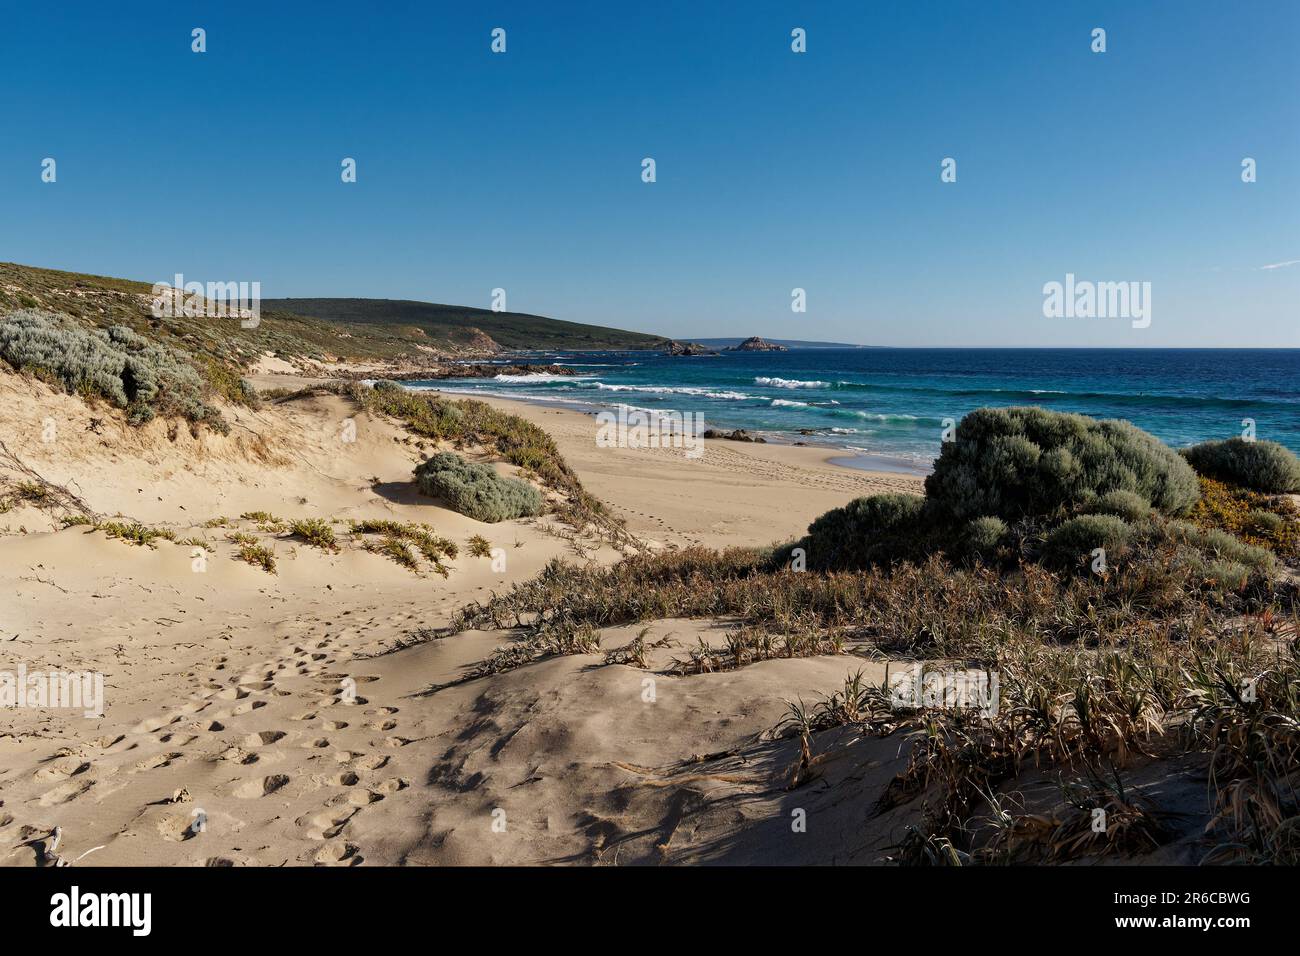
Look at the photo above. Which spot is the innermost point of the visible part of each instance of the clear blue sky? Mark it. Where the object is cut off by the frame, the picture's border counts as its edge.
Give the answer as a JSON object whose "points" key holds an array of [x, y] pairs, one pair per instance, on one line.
{"points": [[775, 170]]}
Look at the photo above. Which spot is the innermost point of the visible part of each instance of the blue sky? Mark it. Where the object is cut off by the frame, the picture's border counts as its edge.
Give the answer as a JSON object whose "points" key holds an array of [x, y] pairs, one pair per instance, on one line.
{"points": [[775, 170]]}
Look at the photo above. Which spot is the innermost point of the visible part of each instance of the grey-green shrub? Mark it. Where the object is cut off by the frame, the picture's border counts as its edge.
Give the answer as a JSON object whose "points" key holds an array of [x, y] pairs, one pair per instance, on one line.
{"points": [[1013, 462], [1220, 544], [1261, 465], [1128, 505], [115, 364], [864, 531], [1261, 522], [1072, 540], [477, 490], [985, 533]]}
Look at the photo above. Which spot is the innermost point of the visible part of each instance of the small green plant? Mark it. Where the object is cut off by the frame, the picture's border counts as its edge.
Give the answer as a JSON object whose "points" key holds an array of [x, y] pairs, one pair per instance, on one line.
{"points": [[315, 531], [257, 555], [134, 532], [479, 546]]}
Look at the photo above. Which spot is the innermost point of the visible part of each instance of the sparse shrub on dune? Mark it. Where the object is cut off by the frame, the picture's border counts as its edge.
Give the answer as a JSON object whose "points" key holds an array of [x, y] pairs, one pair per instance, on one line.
{"points": [[116, 364], [315, 531], [1259, 465], [1016, 462], [477, 490]]}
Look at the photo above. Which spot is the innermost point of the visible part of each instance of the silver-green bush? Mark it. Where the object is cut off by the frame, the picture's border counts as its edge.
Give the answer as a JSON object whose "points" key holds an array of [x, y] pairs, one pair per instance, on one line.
{"points": [[1075, 539], [1260, 465], [1013, 462], [116, 364], [1128, 505], [477, 490], [985, 533]]}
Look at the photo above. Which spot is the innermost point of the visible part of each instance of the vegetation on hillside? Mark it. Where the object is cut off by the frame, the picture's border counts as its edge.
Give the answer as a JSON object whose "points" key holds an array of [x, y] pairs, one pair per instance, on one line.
{"points": [[114, 364], [458, 323]]}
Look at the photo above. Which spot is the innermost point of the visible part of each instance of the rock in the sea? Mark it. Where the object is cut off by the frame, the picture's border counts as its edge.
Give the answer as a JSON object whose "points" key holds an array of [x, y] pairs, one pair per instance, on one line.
{"points": [[756, 344], [738, 435], [688, 348]]}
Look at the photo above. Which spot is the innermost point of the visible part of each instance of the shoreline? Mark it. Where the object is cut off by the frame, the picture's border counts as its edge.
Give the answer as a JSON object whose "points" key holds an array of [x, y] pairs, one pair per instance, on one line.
{"points": [[735, 494], [841, 455]]}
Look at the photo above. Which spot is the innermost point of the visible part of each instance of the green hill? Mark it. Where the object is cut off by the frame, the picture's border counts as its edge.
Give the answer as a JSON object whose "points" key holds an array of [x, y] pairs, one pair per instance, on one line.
{"points": [[458, 323], [366, 330]]}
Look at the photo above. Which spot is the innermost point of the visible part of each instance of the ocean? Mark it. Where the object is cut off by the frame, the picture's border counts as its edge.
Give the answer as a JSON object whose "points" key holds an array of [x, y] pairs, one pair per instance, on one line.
{"points": [[887, 407]]}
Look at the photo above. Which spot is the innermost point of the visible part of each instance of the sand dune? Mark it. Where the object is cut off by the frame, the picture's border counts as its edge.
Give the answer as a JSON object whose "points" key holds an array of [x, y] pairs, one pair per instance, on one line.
{"points": [[255, 719]]}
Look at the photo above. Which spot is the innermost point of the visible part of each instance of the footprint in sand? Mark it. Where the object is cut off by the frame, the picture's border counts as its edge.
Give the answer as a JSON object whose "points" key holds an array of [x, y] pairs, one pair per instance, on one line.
{"points": [[337, 854], [65, 792], [178, 828], [251, 789], [158, 760], [237, 755], [262, 738], [62, 767]]}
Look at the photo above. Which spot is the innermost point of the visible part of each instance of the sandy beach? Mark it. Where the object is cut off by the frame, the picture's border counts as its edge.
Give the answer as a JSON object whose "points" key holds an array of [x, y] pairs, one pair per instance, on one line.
{"points": [[255, 718]]}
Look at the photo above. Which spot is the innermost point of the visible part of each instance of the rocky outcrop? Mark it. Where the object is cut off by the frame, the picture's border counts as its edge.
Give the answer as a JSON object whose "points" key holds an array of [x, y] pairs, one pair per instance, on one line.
{"points": [[756, 344], [738, 435], [688, 348]]}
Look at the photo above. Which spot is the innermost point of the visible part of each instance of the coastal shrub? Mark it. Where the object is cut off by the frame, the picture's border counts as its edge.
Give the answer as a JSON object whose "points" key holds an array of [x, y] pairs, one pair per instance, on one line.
{"points": [[865, 531], [1128, 505], [477, 490], [1071, 541], [1220, 545], [1013, 462], [116, 364], [1260, 465], [1271, 521], [985, 533], [315, 531]]}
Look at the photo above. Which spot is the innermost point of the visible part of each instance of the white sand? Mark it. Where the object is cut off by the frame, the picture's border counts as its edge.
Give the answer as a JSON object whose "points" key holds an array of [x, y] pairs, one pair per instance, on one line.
{"points": [[229, 686]]}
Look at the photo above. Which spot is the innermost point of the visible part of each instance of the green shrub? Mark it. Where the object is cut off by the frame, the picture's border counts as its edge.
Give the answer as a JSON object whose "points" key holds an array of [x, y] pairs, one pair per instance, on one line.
{"points": [[1261, 465], [1220, 544], [985, 533], [865, 531], [1265, 523], [477, 490], [1128, 505], [1072, 540], [1013, 462], [119, 365], [315, 531]]}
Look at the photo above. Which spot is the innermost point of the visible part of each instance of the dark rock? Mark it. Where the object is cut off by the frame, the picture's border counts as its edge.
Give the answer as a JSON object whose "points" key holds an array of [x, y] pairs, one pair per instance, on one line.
{"points": [[756, 344]]}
